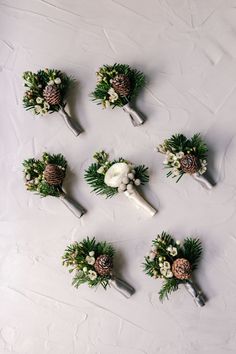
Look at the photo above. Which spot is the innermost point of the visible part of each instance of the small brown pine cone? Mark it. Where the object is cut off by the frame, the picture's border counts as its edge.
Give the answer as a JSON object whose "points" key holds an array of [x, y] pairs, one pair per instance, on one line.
{"points": [[53, 175], [103, 265], [189, 164], [181, 268], [52, 95], [121, 84]]}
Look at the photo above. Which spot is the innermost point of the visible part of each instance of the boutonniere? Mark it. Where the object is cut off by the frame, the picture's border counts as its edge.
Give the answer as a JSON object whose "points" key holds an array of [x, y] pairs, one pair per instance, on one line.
{"points": [[186, 156], [46, 92], [117, 86], [109, 178], [92, 262], [45, 176], [174, 263]]}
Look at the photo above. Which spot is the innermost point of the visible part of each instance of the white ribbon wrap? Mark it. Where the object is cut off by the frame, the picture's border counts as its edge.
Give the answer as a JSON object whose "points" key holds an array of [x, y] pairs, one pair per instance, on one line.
{"points": [[69, 122], [72, 205], [122, 287], [195, 292], [202, 180], [136, 118], [140, 202]]}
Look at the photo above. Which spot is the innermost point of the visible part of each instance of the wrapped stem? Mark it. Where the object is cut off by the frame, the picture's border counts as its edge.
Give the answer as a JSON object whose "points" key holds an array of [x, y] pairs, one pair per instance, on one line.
{"points": [[122, 287], [139, 201], [195, 292], [72, 205], [202, 180], [69, 122], [136, 118]]}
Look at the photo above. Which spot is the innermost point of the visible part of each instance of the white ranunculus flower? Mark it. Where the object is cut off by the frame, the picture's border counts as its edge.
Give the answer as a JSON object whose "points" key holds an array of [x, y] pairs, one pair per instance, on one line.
{"points": [[115, 174], [57, 80], [90, 260], [39, 100], [92, 274]]}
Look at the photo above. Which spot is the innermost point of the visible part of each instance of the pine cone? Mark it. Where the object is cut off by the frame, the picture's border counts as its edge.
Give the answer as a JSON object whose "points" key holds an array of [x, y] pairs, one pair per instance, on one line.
{"points": [[181, 268], [103, 265], [53, 175], [52, 95], [189, 164], [121, 84]]}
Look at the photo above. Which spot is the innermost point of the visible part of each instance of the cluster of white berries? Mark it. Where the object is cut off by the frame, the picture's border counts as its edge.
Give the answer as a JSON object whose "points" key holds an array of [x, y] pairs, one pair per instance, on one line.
{"points": [[90, 259], [128, 182]]}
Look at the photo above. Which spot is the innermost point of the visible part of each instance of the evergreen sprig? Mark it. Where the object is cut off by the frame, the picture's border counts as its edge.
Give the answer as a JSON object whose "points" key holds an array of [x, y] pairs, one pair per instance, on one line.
{"points": [[95, 174], [34, 177], [80, 257], [165, 250], [109, 72], [35, 84]]}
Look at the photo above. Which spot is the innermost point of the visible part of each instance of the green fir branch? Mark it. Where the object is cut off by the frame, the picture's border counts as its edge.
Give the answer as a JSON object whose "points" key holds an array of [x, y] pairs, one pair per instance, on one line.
{"points": [[168, 287], [192, 251]]}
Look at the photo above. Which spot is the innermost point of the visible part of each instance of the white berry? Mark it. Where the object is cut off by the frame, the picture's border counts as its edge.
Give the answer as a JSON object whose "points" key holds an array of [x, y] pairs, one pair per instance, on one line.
{"points": [[137, 182], [129, 187], [28, 177], [131, 176], [122, 187], [125, 180]]}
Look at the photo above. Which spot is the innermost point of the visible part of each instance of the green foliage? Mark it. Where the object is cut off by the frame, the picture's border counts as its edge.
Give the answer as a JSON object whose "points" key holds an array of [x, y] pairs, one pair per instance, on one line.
{"points": [[35, 83], [106, 74], [95, 174], [75, 258], [33, 173], [165, 250]]}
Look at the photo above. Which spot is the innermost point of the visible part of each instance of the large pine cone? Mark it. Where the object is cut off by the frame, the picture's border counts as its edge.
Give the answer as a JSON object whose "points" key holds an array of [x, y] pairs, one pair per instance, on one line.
{"points": [[189, 164], [121, 84], [181, 268], [52, 95], [53, 175], [103, 265]]}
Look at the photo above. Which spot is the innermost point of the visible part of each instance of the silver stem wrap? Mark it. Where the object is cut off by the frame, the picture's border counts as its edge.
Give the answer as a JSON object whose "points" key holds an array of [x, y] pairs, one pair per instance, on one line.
{"points": [[140, 202], [136, 118], [72, 205], [69, 122], [122, 287], [202, 180], [195, 292]]}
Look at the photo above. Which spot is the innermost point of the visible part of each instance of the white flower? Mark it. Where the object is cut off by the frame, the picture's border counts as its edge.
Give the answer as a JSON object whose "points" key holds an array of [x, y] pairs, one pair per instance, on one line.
{"points": [[180, 154], [57, 80], [85, 269], [163, 271], [115, 174], [28, 177], [46, 105], [172, 250], [171, 157], [106, 104], [91, 253], [152, 255], [90, 260], [175, 171], [169, 274], [39, 100], [51, 82], [113, 95], [176, 164], [37, 109], [92, 274], [166, 265], [101, 170]]}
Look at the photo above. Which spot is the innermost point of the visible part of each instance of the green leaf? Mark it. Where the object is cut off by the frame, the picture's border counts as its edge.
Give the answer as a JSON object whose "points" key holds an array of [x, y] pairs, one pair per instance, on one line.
{"points": [[168, 287], [192, 250]]}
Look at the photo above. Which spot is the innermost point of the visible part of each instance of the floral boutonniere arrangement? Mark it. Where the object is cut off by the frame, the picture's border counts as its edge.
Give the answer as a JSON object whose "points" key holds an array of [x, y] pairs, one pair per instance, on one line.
{"points": [[186, 156], [174, 263], [117, 86], [46, 92], [109, 178], [45, 176], [92, 263]]}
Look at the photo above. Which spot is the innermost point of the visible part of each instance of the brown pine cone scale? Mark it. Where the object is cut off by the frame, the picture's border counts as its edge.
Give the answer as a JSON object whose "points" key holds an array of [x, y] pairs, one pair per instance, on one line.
{"points": [[181, 268], [53, 175], [121, 84], [52, 95], [189, 164], [103, 265]]}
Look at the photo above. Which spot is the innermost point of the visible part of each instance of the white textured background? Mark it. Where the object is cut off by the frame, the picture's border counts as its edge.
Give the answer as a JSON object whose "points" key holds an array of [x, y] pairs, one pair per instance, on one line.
{"points": [[188, 51]]}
